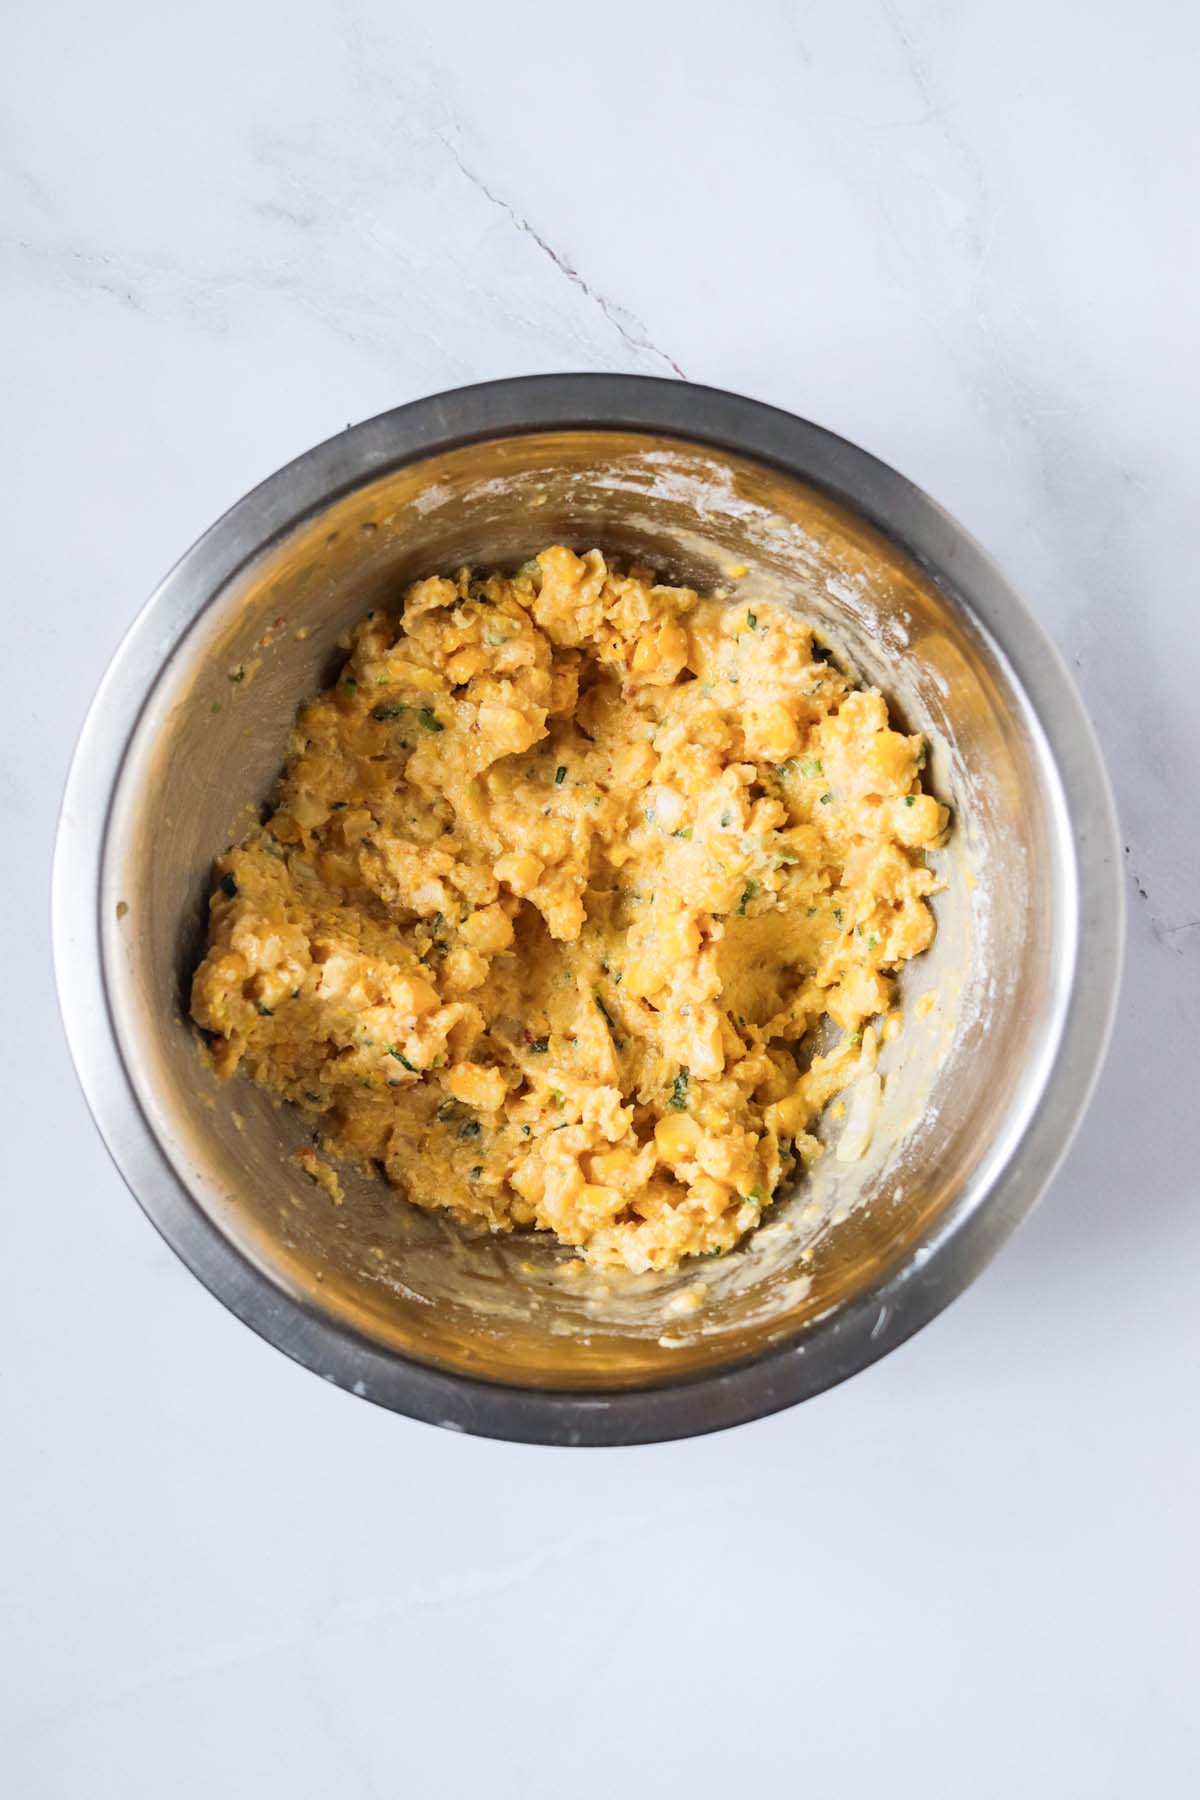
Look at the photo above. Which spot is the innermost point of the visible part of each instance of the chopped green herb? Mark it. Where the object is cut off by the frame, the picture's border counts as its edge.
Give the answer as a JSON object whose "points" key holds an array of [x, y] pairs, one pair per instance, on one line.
{"points": [[448, 1111], [430, 720], [539, 1046], [338, 806], [679, 1090], [825, 799], [752, 621], [403, 1060], [526, 1130], [348, 681], [685, 834], [556, 1096], [810, 766], [755, 1196], [216, 706], [560, 774], [748, 893], [604, 1010], [715, 1251], [910, 799], [837, 913], [872, 941], [471, 1129], [388, 709], [264, 1011], [229, 887], [788, 856], [476, 1172], [726, 820]]}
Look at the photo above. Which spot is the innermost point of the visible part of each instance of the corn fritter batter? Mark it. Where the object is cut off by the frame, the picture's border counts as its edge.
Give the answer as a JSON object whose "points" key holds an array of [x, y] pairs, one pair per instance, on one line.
{"points": [[560, 874]]}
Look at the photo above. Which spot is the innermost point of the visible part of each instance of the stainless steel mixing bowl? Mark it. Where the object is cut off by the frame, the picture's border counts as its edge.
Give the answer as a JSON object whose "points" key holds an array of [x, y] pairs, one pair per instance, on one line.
{"points": [[983, 1089]]}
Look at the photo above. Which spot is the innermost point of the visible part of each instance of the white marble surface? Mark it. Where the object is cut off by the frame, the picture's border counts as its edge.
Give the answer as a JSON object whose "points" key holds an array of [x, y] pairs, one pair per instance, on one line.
{"points": [[962, 234]]}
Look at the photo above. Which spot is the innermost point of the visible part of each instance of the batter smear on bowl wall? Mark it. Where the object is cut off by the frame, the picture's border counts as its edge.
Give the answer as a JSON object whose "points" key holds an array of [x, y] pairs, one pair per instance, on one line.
{"points": [[560, 874]]}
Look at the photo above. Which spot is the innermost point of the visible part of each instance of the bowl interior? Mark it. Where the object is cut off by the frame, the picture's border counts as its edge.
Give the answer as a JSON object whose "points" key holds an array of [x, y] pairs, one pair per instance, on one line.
{"points": [[960, 1081]]}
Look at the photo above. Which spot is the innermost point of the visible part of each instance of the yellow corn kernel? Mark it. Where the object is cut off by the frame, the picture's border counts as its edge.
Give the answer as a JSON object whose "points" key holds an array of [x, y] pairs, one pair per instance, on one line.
{"points": [[226, 972], [860, 993], [676, 1137], [520, 871], [465, 663], [771, 733], [890, 759], [677, 938], [561, 566], [612, 1167], [465, 969], [711, 1195], [412, 995], [427, 595], [634, 764], [595, 1203], [550, 840], [663, 642], [788, 1116], [402, 673], [643, 977], [645, 654], [672, 642], [725, 1159], [489, 929], [705, 1053], [506, 729], [272, 987], [483, 1088], [917, 818]]}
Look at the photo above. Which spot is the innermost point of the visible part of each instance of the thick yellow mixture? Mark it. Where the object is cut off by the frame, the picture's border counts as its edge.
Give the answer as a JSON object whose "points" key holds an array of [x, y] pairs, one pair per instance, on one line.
{"points": [[561, 872]]}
